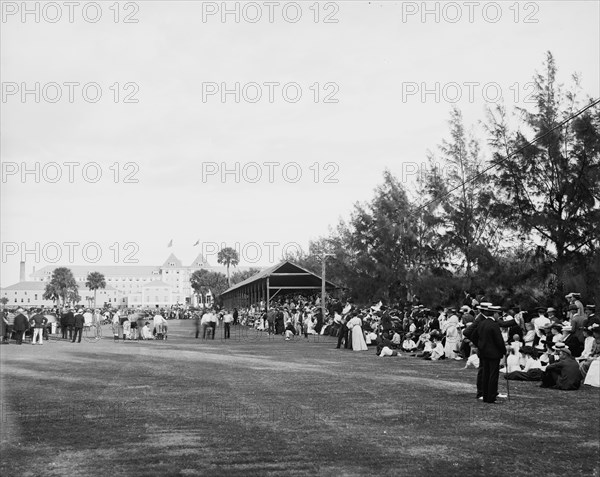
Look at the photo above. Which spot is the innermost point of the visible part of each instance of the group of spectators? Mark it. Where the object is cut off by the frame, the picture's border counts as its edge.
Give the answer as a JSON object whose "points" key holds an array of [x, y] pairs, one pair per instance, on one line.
{"points": [[41, 322], [138, 324], [540, 344], [535, 343]]}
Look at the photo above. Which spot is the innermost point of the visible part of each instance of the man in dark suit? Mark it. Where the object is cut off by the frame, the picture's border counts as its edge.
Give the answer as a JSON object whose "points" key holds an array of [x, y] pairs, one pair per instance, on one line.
{"points": [[64, 326], [78, 326], [571, 341], [471, 334], [20, 325], [564, 374], [491, 350], [70, 320]]}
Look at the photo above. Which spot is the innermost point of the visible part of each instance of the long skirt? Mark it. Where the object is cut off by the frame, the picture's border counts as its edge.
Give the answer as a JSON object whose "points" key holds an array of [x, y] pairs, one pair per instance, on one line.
{"points": [[358, 339]]}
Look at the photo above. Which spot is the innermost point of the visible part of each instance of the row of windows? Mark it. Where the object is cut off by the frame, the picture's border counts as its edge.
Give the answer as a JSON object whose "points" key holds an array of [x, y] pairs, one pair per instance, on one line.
{"points": [[29, 300]]}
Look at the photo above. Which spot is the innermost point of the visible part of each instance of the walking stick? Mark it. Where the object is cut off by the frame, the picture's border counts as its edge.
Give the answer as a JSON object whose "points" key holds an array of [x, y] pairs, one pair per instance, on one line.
{"points": [[507, 380]]}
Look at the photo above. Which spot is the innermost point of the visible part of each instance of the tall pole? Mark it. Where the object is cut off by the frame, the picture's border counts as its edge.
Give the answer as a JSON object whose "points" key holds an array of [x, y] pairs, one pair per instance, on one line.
{"points": [[323, 288], [324, 258]]}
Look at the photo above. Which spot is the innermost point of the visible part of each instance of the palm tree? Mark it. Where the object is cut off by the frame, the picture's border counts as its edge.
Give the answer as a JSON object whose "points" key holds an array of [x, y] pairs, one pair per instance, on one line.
{"points": [[94, 281], [228, 256], [62, 284]]}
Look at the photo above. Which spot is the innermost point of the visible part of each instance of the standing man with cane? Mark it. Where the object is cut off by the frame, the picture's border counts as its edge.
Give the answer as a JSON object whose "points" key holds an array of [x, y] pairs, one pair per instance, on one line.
{"points": [[491, 350]]}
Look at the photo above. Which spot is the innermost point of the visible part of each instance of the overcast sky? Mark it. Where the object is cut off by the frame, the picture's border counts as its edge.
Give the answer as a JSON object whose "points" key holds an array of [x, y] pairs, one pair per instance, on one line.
{"points": [[365, 114]]}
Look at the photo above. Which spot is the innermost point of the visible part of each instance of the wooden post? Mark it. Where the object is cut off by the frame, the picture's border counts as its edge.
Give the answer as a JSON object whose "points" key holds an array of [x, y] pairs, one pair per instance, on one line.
{"points": [[268, 292], [323, 288]]}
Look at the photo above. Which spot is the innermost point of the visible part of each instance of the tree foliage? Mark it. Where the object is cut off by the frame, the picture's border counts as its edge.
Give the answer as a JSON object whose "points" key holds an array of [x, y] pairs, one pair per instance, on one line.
{"points": [[95, 281], [228, 256], [62, 286], [518, 222], [203, 281]]}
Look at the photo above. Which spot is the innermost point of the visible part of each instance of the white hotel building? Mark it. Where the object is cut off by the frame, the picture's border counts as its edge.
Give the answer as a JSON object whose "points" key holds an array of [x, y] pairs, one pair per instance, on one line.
{"points": [[126, 285]]}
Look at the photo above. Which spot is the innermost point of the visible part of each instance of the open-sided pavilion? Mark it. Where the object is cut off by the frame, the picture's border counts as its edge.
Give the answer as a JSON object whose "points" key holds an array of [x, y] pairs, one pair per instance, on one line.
{"points": [[285, 277]]}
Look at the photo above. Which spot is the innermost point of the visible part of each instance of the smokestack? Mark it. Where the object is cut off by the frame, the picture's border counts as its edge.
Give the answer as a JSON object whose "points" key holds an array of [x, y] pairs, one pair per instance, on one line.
{"points": [[22, 271]]}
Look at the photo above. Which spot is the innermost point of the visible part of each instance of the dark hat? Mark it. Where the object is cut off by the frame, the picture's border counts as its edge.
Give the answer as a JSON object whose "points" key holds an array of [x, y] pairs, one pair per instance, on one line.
{"points": [[590, 307], [526, 350]]}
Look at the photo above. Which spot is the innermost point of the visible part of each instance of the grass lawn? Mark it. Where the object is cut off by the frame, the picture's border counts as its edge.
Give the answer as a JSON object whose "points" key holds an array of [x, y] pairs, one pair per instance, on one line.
{"points": [[258, 406]]}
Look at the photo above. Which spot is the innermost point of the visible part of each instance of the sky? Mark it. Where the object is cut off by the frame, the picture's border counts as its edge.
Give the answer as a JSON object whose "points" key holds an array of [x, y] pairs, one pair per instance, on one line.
{"points": [[123, 130]]}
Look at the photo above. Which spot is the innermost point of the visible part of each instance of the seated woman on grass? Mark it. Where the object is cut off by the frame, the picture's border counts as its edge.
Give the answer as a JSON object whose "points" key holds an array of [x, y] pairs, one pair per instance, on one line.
{"points": [[512, 360], [437, 352], [408, 344], [533, 369], [424, 342], [146, 333]]}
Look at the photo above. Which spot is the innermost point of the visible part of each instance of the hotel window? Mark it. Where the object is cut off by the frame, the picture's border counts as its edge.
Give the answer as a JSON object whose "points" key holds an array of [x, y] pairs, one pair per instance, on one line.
{"points": [[35, 296]]}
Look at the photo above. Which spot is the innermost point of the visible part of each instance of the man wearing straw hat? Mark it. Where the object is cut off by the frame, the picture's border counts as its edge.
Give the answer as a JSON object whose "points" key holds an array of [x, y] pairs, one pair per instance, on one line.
{"points": [[564, 374], [491, 350]]}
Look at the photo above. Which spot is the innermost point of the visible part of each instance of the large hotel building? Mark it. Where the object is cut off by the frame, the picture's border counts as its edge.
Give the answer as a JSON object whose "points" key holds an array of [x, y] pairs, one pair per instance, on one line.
{"points": [[126, 285]]}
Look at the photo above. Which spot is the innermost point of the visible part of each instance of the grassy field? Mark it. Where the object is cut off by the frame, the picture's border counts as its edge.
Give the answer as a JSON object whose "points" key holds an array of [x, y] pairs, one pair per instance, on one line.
{"points": [[258, 406]]}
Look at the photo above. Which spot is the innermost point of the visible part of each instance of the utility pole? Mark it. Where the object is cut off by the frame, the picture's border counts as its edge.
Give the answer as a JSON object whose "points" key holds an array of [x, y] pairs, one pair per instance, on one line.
{"points": [[323, 260]]}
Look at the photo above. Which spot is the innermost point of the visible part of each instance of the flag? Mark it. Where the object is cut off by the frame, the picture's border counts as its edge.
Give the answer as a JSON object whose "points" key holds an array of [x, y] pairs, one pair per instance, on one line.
{"points": [[170, 243], [197, 242]]}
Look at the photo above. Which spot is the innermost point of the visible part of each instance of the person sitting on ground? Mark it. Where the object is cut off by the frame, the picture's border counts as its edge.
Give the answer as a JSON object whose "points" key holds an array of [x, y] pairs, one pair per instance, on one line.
{"points": [[387, 351], [548, 355], [529, 337], [512, 360], [397, 339], [563, 374], [532, 371], [588, 344], [424, 342], [437, 352], [556, 333], [571, 341], [146, 333], [408, 344], [594, 353], [290, 330]]}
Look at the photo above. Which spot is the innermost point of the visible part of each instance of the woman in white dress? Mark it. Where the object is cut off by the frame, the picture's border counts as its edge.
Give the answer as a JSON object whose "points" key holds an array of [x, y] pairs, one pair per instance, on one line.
{"points": [[358, 338], [450, 328]]}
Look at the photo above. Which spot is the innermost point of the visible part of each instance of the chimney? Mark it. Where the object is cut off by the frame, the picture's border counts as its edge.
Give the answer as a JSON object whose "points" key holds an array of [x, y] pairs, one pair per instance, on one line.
{"points": [[21, 271]]}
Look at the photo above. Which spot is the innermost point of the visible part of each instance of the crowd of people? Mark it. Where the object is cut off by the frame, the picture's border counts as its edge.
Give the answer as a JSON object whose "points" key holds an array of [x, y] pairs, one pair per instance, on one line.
{"points": [[69, 324], [555, 346]]}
